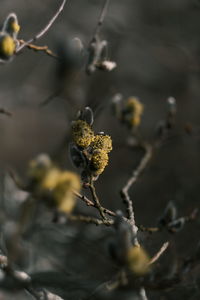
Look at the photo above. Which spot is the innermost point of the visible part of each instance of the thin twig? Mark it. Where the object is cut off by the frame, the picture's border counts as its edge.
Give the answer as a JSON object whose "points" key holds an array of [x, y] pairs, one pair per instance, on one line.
{"points": [[45, 29], [92, 220], [101, 19], [44, 49], [96, 199], [159, 253], [90, 203], [5, 112], [124, 192]]}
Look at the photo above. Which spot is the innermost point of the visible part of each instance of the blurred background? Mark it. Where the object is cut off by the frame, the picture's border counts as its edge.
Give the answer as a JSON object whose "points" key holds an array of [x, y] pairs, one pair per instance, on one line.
{"points": [[156, 45]]}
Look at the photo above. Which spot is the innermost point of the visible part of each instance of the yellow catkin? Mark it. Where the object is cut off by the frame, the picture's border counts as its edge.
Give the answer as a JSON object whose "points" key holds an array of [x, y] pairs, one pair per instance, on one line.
{"points": [[138, 260], [7, 46], [99, 161], [14, 27], [39, 167], [50, 179], [63, 195], [102, 142], [82, 133], [49, 182], [134, 111]]}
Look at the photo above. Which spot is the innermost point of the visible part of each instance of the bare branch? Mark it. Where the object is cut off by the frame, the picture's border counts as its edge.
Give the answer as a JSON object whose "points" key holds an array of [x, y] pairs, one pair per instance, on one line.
{"points": [[90, 203], [124, 192], [44, 30], [159, 253], [92, 220], [96, 200], [101, 18], [44, 49], [5, 112]]}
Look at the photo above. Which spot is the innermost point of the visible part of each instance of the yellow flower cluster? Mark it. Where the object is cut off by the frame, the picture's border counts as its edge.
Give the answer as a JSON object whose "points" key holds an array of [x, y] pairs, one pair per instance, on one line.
{"points": [[82, 133], [101, 146], [102, 142], [138, 260], [98, 146], [50, 181], [133, 112], [98, 161]]}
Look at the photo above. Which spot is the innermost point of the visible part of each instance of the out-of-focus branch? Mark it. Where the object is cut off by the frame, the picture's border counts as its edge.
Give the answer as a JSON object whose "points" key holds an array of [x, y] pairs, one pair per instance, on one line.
{"points": [[5, 112], [87, 219], [101, 18], [44, 49], [159, 253], [45, 29]]}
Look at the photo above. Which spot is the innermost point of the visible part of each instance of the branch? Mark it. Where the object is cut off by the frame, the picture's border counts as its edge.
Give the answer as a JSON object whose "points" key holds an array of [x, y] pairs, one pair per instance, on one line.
{"points": [[5, 112], [142, 294], [101, 19], [44, 49], [97, 203], [45, 29], [90, 203], [124, 192], [92, 220], [159, 253]]}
